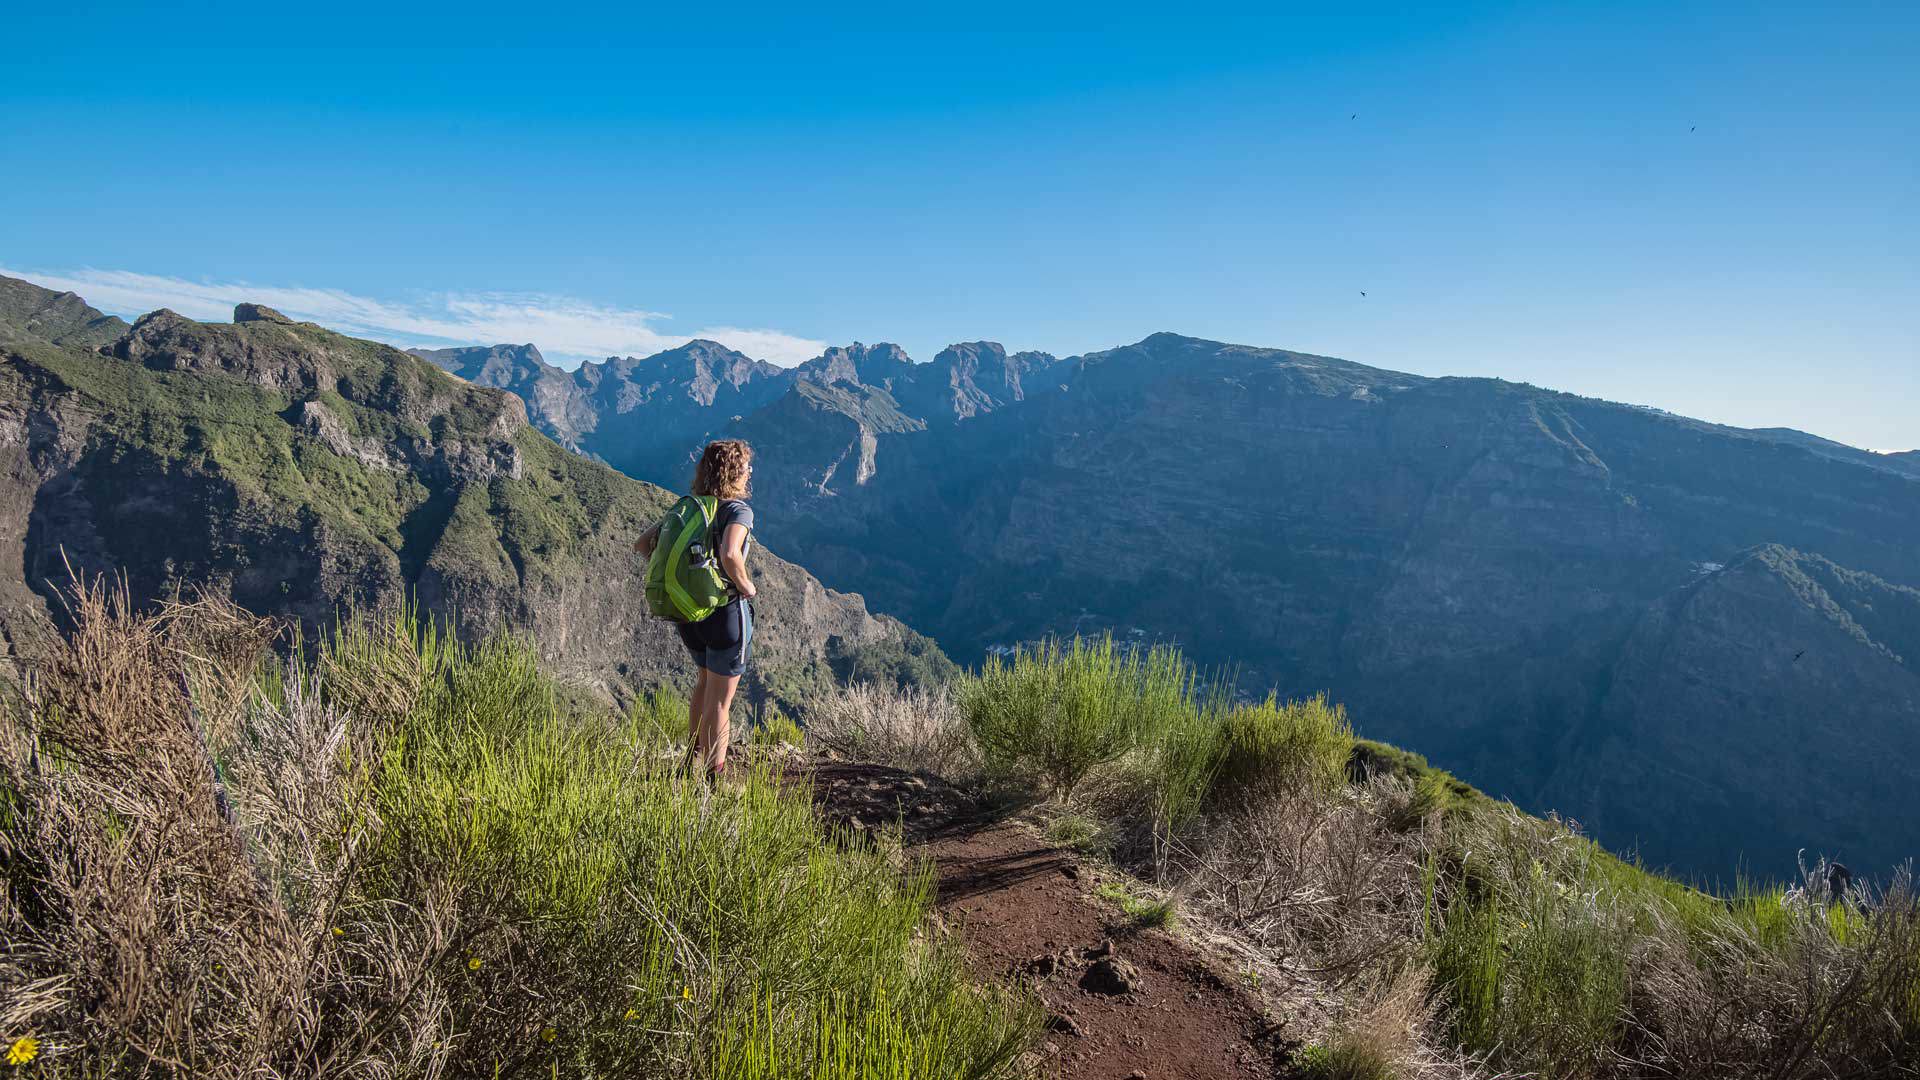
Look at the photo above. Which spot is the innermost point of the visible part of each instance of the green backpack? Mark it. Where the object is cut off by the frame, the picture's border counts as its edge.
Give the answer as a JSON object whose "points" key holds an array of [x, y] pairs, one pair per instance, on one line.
{"points": [[684, 580]]}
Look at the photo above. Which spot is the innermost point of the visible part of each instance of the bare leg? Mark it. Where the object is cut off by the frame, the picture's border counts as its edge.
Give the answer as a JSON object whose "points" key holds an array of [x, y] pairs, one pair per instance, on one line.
{"points": [[696, 710], [718, 703]]}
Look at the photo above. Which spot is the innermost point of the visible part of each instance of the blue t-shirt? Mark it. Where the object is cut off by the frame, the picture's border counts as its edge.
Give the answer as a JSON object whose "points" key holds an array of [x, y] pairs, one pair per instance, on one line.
{"points": [[731, 512]]}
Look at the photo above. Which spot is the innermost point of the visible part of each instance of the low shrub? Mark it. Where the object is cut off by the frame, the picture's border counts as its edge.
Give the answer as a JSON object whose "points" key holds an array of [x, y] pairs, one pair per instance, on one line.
{"points": [[1081, 833], [1382, 1040], [1145, 912], [1274, 747], [1063, 710]]}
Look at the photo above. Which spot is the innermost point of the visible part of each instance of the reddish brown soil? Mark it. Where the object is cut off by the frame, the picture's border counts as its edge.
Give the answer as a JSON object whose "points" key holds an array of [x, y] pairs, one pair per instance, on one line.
{"points": [[1024, 910]]}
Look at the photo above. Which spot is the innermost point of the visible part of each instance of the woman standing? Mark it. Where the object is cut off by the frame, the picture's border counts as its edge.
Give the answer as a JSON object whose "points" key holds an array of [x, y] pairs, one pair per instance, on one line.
{"points": [[719, 641]]}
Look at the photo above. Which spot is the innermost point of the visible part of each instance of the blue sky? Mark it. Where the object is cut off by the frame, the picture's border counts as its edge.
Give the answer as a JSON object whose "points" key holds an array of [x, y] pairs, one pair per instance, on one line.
{"points": [[1712, 209]]}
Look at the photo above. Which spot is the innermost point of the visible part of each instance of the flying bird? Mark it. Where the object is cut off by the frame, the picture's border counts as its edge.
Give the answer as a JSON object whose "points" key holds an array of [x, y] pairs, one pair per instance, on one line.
{"points": [[1690, 127], [1363, 292], [1798, 655], [1355, 116]]}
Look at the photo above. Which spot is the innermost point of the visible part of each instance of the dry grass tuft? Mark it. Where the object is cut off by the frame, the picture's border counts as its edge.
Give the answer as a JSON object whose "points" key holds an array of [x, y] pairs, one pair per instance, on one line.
{"points": [[913, 728], [136, 909], [1330, 883]]}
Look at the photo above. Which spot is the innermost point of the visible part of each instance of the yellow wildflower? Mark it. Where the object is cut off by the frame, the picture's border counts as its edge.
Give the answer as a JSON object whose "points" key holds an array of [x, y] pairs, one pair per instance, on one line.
{"points": [[633, 1014], [337, 932], [24, 1049], [473, 963], [686, 993], [548, 1034]]}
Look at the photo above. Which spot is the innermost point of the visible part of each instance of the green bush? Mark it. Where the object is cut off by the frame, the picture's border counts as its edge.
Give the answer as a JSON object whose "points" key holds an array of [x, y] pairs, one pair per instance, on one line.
{"points": [[1344, 1059], [1078, 832], [1274, 747], [1064, 710], [1181, 760]]}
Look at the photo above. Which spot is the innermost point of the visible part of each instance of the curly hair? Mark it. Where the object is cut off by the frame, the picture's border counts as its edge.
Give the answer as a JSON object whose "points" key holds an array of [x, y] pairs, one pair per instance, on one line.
{"points": [[725, 469]]}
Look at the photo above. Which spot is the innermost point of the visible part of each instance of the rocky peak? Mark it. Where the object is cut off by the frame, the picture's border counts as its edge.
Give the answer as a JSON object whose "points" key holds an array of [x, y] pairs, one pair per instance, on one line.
{"points": [[977, 378], [701, 366], [490, 365], [245, 313], [871, 365]]}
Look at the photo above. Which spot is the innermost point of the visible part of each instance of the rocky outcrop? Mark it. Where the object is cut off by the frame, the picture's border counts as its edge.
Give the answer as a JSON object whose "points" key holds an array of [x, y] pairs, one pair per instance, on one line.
{"points": [[648, 416], [258, 313]]}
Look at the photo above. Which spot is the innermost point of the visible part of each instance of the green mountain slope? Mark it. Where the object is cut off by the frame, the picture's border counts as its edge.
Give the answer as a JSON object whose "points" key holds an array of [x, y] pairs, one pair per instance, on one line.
{"points": [[301, 471]]}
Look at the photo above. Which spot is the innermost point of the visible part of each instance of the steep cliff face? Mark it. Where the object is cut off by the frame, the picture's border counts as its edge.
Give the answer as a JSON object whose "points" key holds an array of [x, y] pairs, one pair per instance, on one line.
{"points": [[649, 416], [301, 471], [972, 379], [556, 403], [1774, 697]]}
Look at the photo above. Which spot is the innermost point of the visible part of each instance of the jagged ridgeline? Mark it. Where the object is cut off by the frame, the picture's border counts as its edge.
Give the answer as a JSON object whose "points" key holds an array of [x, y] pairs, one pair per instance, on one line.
{"points": [[303, 472]]}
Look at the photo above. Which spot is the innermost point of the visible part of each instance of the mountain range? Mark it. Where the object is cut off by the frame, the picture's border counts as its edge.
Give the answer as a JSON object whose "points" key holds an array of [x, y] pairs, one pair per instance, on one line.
{"points": [[1699, 641], [302, 472]]}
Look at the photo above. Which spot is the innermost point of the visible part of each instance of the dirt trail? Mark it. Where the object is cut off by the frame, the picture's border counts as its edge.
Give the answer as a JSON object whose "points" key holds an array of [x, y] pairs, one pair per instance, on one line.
{"points": [[1122, 1002]]}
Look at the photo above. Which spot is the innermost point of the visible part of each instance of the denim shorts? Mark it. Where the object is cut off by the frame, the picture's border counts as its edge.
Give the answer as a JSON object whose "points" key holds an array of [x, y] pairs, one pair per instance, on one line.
{"points": [[719, 641]]}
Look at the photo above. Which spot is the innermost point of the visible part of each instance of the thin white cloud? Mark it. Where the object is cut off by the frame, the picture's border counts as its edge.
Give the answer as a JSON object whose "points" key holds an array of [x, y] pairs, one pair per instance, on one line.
{"points": [[566, 329]]}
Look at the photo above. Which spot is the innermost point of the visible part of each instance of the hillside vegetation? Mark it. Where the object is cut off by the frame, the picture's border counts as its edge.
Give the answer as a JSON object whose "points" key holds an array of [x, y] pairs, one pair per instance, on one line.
{"points": [[1406, 924], [391, 853], [407, 858]]}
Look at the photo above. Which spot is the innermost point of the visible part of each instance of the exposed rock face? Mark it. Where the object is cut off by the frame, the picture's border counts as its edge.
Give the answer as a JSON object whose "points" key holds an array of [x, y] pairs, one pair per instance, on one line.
{"points": [[650, 416], [258, 313], [556, 403], [301, 472], [972, 379], [647, 416]]}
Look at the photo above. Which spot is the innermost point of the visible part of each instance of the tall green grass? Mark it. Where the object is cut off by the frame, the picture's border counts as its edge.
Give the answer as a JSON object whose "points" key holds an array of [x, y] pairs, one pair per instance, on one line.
{"points": [[690, 928], [1065, 709], [659, 717]]}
